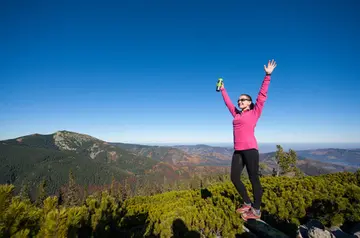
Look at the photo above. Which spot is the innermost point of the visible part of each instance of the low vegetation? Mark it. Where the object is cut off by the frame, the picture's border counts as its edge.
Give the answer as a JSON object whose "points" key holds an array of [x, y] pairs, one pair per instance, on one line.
{"points": [[334, 199], [201, 206]]}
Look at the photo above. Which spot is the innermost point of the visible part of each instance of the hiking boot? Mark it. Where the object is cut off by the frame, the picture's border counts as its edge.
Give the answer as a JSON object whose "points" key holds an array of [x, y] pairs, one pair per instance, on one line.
{"points": [[251, 214], [243, 208]]}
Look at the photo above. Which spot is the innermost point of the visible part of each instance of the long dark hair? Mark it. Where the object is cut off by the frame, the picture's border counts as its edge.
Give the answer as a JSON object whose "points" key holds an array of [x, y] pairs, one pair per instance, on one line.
{"points": [[249, 97]]}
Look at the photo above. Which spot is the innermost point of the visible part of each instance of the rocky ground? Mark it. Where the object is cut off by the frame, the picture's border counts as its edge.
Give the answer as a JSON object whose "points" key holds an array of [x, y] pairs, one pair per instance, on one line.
{"points": [[313, 229]]}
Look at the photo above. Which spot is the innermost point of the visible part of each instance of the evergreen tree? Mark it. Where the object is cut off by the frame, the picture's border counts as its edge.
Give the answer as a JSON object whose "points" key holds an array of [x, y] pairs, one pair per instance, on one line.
{"points": [[86, 193], [41, 195], [292, 158], [60, 197], [24, 191], [286, 161], [279, 158], [71, 197], [119, 193], [127, 190], [138, 187], [113, 186]]}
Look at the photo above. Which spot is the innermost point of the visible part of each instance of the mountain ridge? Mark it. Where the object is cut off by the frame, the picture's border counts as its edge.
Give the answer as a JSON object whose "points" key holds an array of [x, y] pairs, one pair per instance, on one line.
{"points": [[33, 157]]}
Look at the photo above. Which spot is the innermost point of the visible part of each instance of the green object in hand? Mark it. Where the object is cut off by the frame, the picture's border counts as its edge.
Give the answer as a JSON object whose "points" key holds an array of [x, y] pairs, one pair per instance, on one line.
{"points": [[219, 84]]}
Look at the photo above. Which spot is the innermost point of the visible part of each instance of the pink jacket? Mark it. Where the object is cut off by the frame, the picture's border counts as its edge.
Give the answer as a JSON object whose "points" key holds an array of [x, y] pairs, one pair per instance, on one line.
{"points": [[244, 123]]}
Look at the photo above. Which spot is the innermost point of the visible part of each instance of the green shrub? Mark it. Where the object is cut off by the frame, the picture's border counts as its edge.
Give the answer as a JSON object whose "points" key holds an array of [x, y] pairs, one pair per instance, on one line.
{"points": [[333, 199]]}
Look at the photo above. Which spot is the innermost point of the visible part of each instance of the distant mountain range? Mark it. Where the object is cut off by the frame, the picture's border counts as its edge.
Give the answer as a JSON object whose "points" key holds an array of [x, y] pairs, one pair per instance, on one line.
{"points": [[311, 162], [212, 155], [32, 158], [348, 157]]}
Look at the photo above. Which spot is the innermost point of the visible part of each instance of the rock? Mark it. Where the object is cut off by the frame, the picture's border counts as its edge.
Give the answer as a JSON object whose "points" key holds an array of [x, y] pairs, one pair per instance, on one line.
{"points": [[262, 229], [338, 233], [315, 232], [302, 232], [314, 229]]}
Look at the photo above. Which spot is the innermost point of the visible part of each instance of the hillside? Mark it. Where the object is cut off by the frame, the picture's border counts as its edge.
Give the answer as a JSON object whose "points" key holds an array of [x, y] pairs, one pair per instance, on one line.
{"points": [[307, 162], [25, 165], [174, 163], [32, 158], [86, 146], [166, 154], [288, 204], [308, 166], [213, 155], [348, 157]]}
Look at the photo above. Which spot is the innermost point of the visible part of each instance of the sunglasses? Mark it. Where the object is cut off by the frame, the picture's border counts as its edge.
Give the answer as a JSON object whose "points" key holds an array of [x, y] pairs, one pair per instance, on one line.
{"points": [[243, 99]]}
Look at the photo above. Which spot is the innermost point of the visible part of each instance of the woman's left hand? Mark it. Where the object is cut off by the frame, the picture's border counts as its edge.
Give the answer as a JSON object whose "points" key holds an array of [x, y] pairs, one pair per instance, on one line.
{"points": [[270, 67]]}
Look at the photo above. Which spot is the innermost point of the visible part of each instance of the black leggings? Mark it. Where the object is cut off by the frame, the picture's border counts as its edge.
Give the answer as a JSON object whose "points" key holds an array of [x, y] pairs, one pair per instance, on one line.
{"points": [[250, 159]]}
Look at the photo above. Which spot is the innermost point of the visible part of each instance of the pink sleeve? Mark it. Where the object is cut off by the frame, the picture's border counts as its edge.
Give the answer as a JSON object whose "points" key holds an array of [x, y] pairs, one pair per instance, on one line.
{"points": [[228, 102], [262, 96]]}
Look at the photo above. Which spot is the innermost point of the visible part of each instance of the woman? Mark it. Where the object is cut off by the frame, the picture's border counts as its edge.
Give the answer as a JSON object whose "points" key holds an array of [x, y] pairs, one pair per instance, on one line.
{"points": [[245, 144]]}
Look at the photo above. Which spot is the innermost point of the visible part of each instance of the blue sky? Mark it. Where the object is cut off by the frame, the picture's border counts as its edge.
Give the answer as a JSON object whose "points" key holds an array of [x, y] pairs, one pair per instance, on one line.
{"points": [[145, 71]]}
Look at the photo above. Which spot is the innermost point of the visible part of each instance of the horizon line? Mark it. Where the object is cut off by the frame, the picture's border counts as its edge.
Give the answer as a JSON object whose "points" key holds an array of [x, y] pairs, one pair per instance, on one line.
{"points": [[182, 143], [230, 144]]}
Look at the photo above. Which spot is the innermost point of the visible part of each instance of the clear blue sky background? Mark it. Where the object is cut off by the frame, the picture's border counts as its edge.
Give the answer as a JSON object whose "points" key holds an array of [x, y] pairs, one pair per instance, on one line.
{"points": [[145, 71]]}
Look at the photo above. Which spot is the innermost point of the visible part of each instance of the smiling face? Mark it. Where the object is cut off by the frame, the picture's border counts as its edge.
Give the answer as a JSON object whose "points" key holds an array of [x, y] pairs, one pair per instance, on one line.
{"points": [[244, 102]]}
